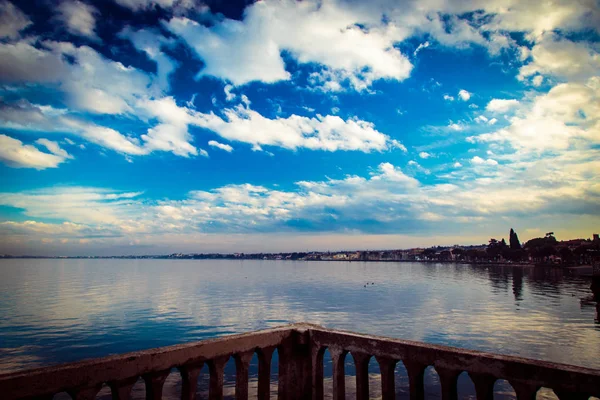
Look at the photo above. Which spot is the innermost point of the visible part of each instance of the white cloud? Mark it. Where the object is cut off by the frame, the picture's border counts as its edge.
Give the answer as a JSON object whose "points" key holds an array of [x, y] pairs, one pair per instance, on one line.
{"points": [[418, 167], [26, 116], [388, 172], [522, 190], [230, 53], [190, 102], [229, 95], [99, 85], [221, 146], [54, 148], [329, 133], [245, 100], [502, 105], [481, 119], [563, 59], [537, 80], [250, 50], [171, 134], [18, 155], [524, 53], [105, 137], [22, 62], [492, 121], [331, 80], [424, 155], [568, 114], [150, 42], [138, 5], [80, 205], [464, 95], [169, 137], [448, 97], [35, 228], [421, 47], [455, 127], [540, 17], [488, 24], [92, 82], [78, 17], [12, 20], [103, 86], [480, 161]]}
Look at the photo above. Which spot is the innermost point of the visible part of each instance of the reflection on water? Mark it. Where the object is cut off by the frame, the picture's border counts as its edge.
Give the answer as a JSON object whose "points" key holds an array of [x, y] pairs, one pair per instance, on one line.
{"points": [[65, 310]]}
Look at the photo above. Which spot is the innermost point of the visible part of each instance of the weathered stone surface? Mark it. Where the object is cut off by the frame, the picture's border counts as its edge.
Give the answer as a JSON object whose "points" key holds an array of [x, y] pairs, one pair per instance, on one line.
{"points": [[361, 361], [300, 348], [265, 356]]}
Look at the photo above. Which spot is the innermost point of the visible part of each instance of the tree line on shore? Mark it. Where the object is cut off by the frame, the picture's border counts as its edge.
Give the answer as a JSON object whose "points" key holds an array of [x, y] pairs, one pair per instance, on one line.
{"points": [[539, 250]]}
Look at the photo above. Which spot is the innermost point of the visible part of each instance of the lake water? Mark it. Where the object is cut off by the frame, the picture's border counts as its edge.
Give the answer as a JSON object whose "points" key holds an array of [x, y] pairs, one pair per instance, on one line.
{"points": [[54, 311]]}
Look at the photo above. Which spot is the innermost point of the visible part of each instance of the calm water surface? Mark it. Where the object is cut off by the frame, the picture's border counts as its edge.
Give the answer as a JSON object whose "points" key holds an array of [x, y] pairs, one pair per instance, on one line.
{"points": [[54, 311]]}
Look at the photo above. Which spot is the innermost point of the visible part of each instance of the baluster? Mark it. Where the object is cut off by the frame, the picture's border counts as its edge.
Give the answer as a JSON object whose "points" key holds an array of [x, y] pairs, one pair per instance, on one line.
{"points": [[242, 361], [484, 385], [416, 372], [388, 385], [88, 393], [361, 361], [448, 381], [524, 390], [339, 377], [264, 372], [121, 390], [295, 368], [317, 354], [189, 380], [216, 367], [154, 384]]}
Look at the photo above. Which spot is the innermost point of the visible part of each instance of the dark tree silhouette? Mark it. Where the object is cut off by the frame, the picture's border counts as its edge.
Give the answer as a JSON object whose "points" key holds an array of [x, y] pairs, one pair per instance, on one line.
{"points": [[514, 240], [542, 248], [445, 255], [496, 248], [458, 253], [429, 253], [566, 255]]}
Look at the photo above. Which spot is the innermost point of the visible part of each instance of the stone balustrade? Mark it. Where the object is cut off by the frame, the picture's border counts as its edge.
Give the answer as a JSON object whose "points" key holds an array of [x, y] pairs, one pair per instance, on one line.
{"points": [[301, 348]]}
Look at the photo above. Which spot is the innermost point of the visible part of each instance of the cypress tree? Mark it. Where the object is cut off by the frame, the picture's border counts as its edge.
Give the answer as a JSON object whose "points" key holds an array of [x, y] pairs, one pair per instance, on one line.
{"points": [[514, 240]]}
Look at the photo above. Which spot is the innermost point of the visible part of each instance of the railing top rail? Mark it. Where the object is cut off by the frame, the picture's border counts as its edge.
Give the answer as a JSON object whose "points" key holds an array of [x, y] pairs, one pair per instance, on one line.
{"points": [[512, 368]]}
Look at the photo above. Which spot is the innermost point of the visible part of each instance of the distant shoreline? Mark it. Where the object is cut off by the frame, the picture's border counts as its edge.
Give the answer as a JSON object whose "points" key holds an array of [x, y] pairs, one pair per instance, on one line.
{"points": [[490, 263], [257, 259], [579, 270]]}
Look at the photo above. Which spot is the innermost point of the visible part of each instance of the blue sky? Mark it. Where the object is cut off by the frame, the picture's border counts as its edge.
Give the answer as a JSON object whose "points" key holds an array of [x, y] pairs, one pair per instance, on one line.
{"points": [[154, 126]]}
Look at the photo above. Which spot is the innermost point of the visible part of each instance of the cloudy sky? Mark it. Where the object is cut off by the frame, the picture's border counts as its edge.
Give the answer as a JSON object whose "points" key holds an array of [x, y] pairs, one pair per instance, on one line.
{"points": [[157, 126]]}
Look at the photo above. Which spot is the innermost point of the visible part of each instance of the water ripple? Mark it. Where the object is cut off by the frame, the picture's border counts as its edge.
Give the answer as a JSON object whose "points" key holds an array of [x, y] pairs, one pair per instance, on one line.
{"points": [[65, 310]]}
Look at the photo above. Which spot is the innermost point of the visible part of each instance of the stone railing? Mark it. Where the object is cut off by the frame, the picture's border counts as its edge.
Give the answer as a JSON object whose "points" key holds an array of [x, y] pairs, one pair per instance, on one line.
{"points": [[301, 348]]}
